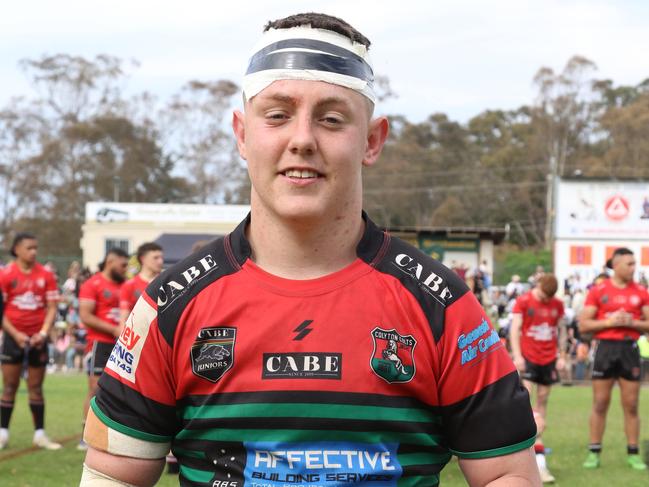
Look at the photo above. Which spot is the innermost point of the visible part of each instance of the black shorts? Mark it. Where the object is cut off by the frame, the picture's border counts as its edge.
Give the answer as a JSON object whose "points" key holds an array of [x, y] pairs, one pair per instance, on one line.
{"points": [[13, 354], [98, 357], [616, 358], [546, 375]]}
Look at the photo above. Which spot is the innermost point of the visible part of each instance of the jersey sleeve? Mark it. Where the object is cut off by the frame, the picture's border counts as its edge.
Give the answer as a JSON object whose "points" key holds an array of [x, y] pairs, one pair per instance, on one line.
{"points": [[592, 298], [88, 292], [133, 413], [486, 411], [519, 306], [125, 295]]}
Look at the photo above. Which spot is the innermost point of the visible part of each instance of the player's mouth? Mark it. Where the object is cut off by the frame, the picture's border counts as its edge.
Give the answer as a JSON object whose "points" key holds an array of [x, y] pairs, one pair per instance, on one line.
{"points": [[301, 174]]}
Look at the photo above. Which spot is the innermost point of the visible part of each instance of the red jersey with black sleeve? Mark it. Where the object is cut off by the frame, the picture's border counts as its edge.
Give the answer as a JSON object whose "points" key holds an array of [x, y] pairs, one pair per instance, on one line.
{"points": [[540, 330], [608, 299], [131, 291], [375, 374], [104, 293], [26, 296]]}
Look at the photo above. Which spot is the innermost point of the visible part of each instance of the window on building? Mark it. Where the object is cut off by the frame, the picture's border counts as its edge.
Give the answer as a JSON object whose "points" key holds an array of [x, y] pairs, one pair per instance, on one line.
{"points": [[120, 243]]}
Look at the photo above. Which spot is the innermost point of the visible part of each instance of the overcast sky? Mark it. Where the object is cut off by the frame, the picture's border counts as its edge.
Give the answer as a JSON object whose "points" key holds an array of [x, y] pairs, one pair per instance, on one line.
{"points": [[459, 57]]}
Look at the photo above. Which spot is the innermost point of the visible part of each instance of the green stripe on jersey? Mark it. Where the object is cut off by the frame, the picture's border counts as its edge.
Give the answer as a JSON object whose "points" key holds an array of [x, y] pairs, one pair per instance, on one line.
{"points": [[288, 436], [423, 458], [496, 452], [194, 475], [286, 410], [141, 435]]}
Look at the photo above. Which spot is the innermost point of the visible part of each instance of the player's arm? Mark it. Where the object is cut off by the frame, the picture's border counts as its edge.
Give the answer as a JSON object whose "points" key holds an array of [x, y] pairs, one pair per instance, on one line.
{"points": [[39, 338], [19, 337], [515, 340], [642, 324], [515, 470], [103, 469], [588, 323], [88, 318]]}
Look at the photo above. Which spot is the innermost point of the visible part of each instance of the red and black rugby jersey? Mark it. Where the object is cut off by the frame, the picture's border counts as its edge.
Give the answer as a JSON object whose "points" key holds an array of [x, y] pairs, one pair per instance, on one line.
{"points": [[609, 298], [26, 296], [373, 375], [540, 330]]}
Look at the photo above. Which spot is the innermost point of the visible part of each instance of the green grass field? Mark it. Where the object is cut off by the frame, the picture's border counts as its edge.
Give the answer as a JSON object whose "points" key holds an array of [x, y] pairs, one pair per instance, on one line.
{"points": [[567, 435]]}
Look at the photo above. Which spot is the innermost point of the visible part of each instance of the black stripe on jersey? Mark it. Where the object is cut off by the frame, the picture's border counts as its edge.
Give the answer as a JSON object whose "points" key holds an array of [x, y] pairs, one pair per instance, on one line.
{"points": [[307, 397], [176, 287], [496, 417], [276, 423], [433, 285], [133, 410], [422, 470], [405, 448], [370, 246]]}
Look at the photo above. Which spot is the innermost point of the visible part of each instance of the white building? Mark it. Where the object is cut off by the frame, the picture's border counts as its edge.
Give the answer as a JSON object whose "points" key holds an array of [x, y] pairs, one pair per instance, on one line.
{"points": [[593, 218]]}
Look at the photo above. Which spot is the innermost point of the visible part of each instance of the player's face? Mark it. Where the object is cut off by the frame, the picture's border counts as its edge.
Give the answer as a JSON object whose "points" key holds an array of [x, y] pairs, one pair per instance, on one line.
{"points": [[117, 267], [305, 143], [624, 267], [26, 250], [153, 261]]}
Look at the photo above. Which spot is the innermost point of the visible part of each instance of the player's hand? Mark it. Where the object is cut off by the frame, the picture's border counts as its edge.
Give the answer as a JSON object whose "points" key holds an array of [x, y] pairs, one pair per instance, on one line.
{"points": [[117, 331], [561, 364], [21, 339], [37, 340], [519, 362]]}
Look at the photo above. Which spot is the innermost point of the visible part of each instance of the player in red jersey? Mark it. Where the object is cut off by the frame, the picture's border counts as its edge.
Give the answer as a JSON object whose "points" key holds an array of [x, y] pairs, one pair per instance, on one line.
{"points": [[99, 300], [308, 346], [30, 295], [151, 259], [617, 312], [534, 335]]}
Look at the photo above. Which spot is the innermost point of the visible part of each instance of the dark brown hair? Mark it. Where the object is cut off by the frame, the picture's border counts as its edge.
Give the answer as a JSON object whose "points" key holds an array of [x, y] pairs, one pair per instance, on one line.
{"points": [[319, 21], [145, 248]]}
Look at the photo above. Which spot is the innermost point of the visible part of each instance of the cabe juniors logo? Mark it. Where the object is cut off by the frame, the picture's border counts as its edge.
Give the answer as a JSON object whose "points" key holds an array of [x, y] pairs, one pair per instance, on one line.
{"points": [[393, 357], [212, 353]]}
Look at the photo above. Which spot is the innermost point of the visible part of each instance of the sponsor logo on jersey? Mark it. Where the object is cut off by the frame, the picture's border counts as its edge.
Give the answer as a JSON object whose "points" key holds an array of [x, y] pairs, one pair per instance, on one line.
{"points": [[634, 300], [478, 343], [40, 282], [393, 358], [604, 299], [107, 294], [427, 280], [316, 464], [303, 330], [530, 311], [302, 365], [125, 357], [212, 353], [174, 288]]}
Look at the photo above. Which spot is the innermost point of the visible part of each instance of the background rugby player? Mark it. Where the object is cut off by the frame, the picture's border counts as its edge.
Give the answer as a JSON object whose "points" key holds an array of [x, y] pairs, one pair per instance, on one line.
{"points": [[31, 294], [99, 312], [534, 334], [617, 312]]}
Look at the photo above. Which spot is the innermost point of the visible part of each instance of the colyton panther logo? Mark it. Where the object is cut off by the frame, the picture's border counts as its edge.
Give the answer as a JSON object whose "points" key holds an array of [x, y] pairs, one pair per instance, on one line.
{"points": [[212, 353], [393, 356]]}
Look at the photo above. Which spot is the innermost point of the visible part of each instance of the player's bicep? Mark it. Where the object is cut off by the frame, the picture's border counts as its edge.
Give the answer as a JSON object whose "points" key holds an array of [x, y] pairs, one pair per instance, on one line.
{"points": [[86, 309], [519, 468], [133, 471]]}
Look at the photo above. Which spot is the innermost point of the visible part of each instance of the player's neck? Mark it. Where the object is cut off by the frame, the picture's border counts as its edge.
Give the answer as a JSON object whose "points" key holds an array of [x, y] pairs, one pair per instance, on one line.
{"points": [[304, 250], [619, 282], [24, 266], [147, 275]]}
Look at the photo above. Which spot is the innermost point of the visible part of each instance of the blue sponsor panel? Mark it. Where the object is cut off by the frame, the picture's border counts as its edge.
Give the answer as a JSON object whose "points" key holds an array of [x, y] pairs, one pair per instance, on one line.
{"points": [[326, 463], [121, 358]]}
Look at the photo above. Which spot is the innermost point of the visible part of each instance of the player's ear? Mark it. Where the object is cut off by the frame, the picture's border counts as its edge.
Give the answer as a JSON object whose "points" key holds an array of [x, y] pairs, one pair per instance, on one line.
{"points": [[376, 135], [239, 128]]}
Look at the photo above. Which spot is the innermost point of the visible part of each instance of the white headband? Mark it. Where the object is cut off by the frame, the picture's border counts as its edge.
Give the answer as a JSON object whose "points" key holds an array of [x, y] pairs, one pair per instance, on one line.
{"points": [[304, 53]]}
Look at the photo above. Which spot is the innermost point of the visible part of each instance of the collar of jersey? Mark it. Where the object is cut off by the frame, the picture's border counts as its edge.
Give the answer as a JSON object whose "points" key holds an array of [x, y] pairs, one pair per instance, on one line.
{"points": [[367, 250]]}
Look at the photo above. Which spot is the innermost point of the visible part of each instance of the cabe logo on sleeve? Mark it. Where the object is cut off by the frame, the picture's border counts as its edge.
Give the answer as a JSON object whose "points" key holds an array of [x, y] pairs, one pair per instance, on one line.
{"points": [[393, 358], [212, 353], [126, 354]]}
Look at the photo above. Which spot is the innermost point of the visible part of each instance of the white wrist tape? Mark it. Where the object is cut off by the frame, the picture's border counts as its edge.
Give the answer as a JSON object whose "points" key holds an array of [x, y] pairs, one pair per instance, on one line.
{"points": [[94, 478]]}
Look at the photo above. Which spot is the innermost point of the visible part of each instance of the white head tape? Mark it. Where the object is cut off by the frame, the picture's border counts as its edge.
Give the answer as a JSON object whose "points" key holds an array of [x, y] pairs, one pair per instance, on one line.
{"points": [[304, 53]]}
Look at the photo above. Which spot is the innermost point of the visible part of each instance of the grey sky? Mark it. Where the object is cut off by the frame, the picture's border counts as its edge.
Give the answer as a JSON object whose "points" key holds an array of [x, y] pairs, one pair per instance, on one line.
{"points": [[459, 57]]}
